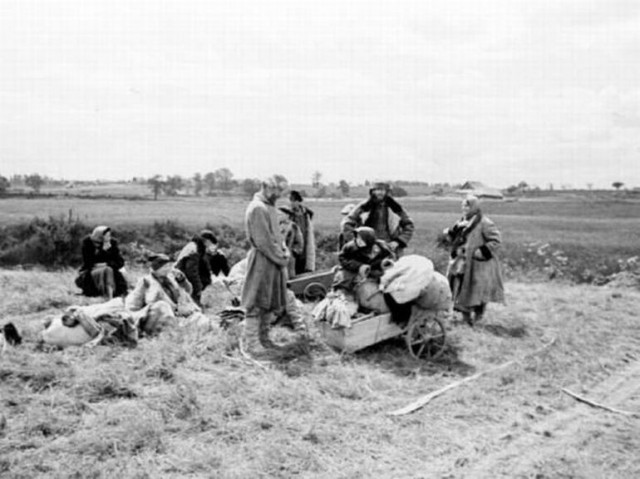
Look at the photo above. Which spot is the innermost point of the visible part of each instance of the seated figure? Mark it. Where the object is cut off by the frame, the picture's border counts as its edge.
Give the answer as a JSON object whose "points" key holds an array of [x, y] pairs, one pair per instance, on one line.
{"points": [[100, 273], [362, 257], [161, 296]]}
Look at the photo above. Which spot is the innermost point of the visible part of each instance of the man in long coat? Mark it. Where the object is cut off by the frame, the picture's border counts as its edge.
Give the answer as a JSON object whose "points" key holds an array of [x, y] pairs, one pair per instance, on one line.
{"points": [[265, 287]]}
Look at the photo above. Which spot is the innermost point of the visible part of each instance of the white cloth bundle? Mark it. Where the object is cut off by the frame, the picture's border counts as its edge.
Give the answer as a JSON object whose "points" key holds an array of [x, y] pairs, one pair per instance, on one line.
{"points": [[336, 309], [407, 277], [437, 295]]}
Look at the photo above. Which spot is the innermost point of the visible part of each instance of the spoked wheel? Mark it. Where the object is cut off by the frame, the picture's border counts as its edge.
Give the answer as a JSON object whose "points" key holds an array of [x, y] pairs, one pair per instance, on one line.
{"points": [[314, 292], [425, 337]]}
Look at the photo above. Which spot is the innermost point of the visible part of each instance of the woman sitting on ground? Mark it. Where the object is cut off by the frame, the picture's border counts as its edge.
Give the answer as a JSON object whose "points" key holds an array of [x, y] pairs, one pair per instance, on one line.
{"points": [[100, 273]]}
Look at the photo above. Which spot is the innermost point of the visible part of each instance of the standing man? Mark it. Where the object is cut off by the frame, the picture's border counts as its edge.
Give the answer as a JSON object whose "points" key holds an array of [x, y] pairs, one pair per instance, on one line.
{"points": [[303, 216], [265, 287], [385, 215]]}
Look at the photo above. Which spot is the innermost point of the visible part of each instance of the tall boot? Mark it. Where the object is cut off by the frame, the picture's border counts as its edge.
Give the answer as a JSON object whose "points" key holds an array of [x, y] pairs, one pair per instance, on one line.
{"points": [[479, 312], [251, 336], [264, 326]]}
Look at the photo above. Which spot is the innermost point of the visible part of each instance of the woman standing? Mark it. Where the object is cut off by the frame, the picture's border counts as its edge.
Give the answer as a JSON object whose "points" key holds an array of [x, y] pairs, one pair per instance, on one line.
{"points": [[474, 272], [101, 263]]}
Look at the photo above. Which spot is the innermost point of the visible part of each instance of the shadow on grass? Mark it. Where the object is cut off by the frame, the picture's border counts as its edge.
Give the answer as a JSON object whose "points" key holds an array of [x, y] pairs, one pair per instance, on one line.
{"points": [[503, 331], [393, 356]]}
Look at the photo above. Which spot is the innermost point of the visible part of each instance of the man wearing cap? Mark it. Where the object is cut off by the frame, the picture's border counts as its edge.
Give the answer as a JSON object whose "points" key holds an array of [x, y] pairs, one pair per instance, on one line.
{"points": [[160, 296], [265, 286], [385, 215], [193, 261]]}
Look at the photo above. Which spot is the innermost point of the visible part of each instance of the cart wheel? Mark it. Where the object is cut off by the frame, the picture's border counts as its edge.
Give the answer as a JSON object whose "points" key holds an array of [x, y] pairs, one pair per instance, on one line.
{"points": [[425, 337], [314, 292]]}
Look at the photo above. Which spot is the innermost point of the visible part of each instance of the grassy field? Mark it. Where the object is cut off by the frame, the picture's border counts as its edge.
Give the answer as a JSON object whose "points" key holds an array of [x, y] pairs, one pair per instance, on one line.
{"points": [[593, 234], [188, 405]]}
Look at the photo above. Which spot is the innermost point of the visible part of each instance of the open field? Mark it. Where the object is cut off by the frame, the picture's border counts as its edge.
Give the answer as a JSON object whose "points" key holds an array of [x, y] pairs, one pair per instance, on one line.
{"points": [[183, 405], [594, 234]]}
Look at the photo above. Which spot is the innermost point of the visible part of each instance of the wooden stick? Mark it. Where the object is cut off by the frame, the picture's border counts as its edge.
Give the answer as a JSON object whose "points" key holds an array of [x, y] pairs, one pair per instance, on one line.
{"points": [[601, 406], [424, 400]]}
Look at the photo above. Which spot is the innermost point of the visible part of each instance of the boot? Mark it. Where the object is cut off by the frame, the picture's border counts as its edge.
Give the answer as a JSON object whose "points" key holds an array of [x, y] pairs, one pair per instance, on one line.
{"points": [[251, 337], [466, 317], [264, 326], [479, 312]]}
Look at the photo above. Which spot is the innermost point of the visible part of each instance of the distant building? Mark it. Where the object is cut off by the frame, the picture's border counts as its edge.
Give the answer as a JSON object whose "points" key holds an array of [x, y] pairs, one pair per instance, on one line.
{"points": [[480, 190]]}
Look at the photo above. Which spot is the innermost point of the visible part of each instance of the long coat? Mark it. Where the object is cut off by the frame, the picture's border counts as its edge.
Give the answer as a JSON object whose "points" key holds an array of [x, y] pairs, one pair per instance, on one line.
{"points": [[306, 260], [482, 278], [265, 285]]}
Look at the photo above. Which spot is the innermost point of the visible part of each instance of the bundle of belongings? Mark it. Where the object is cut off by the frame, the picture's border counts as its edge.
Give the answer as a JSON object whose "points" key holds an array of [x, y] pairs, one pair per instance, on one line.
{"points": [[160, 299], [106, 323], [412, 278], [337, 308]]}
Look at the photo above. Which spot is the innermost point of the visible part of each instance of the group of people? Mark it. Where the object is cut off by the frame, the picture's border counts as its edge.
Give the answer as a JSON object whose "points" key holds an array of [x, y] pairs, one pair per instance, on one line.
{"points": [[282, 245]]}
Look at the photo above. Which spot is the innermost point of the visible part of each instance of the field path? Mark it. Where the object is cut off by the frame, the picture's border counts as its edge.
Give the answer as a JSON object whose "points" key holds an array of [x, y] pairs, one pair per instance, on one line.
{"points": [[568, 442]]}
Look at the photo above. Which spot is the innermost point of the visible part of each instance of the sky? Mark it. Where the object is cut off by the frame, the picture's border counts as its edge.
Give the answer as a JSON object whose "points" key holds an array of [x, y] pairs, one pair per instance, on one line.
{"points": [[498, 91]]}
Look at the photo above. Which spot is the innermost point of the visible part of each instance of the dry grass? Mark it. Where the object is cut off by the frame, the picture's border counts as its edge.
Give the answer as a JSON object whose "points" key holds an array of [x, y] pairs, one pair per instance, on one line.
{"points": [[188, 405]]}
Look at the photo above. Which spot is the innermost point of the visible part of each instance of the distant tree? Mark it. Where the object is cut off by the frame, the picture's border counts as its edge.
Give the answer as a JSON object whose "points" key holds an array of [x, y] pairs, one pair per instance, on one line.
{"points": [[210, 182], [4, 185], [399, 191], [250, 186], [315, 179], [155, 183], [523, 186], [589, 186], [224, 178], [197, 184], [343, 186], [322, 192], [617, 185], [280, 178], [34, 182], [172, 185]]}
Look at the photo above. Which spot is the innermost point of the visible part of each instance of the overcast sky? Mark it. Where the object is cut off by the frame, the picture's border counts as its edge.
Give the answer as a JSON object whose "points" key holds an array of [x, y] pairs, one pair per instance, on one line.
{"points": [[543, 91]]}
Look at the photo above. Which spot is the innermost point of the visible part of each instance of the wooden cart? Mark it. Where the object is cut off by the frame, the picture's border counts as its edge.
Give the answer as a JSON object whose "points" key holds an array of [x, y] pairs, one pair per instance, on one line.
{"points": [[312, 286], [424, 334]]}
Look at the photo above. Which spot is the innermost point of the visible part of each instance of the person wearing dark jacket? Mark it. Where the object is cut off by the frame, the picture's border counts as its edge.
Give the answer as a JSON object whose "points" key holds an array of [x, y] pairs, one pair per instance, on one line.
{"points": [[193, 261], [362, 256], [385, 215], [100, 273]]}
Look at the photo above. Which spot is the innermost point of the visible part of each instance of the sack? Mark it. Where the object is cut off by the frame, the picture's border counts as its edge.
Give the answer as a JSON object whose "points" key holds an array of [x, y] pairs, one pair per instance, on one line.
{"points": [[407, 277], [336, 309], [437, 295], [370, 298]]}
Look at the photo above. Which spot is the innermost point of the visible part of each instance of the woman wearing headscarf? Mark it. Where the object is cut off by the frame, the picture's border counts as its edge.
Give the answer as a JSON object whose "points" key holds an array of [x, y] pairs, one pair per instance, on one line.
{"points": [[474, 271], [101, 263]]}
